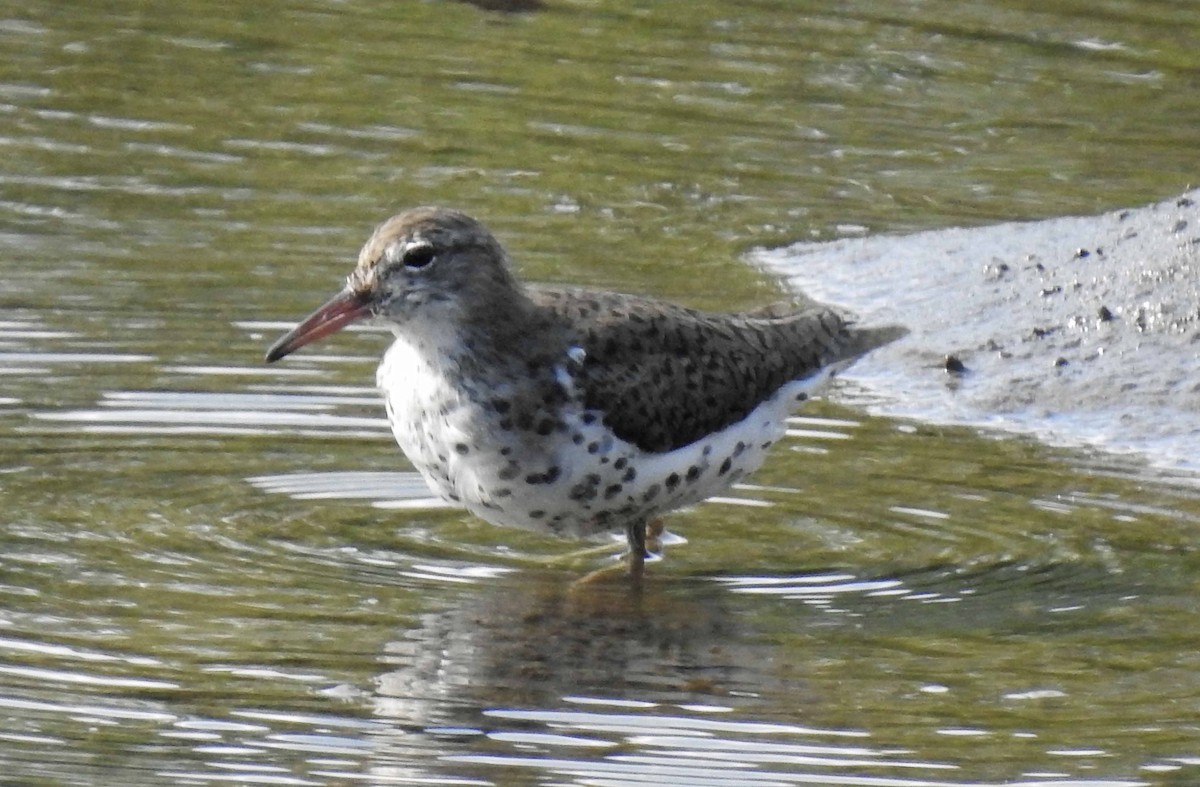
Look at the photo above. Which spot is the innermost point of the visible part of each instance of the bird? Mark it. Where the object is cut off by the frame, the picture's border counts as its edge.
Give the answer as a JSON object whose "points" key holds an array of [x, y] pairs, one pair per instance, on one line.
{"points": [[568, 410]]}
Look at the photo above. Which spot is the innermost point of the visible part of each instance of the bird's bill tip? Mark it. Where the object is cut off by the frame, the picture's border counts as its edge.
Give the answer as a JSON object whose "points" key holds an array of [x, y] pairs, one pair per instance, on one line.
{"points": [[338, 312]]}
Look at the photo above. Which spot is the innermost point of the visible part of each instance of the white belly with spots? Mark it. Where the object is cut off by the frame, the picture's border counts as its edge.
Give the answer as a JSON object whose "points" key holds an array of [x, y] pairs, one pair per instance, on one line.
{"points": [[577, 481]]}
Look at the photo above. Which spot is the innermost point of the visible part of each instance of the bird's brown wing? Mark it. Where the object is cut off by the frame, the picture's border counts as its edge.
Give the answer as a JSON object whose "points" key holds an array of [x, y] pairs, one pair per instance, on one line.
{"points": [[663, 376]]}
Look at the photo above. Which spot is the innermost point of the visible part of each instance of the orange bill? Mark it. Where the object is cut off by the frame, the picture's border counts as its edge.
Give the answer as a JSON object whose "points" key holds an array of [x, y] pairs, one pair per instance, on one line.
{"points": [[338, 312]]}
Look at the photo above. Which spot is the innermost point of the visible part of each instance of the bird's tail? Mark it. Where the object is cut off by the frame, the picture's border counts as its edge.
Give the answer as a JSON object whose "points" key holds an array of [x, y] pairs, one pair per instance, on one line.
{"points": [[864, 340]]}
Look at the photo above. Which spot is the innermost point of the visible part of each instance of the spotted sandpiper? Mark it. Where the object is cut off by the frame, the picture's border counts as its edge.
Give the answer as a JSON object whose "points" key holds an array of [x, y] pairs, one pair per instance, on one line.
{"points": [[567, 410]]}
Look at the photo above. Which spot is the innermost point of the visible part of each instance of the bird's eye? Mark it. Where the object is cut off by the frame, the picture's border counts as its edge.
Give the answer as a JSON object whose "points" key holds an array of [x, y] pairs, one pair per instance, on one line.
{"points": [[417, 257]]}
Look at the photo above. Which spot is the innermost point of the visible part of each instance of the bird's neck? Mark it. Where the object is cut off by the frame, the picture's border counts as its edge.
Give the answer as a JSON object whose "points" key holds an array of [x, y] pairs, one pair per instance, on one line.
{"points": [[474, 341]]}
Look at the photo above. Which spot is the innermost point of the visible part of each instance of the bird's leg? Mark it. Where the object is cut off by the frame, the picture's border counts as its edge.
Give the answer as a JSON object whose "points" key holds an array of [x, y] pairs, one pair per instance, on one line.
{"points": [[645, 538], [654, 531], [635, 534]]}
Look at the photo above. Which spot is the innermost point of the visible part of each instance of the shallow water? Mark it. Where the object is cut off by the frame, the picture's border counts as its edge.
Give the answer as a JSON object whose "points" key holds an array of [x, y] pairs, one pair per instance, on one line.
{"points": [[217, 571]]}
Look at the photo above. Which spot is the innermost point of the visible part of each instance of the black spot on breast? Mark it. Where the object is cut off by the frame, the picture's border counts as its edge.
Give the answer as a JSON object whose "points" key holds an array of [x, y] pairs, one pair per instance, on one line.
{"points": [[630, 474], [581, 492], [501, 406], [509, 471], [537, 513], [737, 449], [577, 438], [728, 463], [800, 397], [620, 463], [461, 448], [672, 480], [693, 473], [651, 493], [552, 474], [545, 426], [612, 491], [593, 448]]}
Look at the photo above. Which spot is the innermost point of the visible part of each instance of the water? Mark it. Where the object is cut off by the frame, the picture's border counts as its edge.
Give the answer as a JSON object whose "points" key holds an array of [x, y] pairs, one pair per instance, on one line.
{"points": [[216, 571]]}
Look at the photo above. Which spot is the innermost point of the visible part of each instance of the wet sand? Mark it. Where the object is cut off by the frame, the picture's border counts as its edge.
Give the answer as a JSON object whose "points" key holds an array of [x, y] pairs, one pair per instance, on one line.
{"points": [[1079, 331]]}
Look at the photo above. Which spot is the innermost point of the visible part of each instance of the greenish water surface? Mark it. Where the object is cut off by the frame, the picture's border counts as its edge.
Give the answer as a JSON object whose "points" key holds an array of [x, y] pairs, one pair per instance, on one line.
{"points": [[215, 571]]}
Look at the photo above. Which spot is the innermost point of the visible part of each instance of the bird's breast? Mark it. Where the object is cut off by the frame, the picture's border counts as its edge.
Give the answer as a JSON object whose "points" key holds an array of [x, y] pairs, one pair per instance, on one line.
{"points": [[427, 411]]}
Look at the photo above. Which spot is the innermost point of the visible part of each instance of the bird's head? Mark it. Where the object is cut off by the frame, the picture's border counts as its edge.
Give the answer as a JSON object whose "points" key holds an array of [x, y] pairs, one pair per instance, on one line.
{"points": [[426, 264]]}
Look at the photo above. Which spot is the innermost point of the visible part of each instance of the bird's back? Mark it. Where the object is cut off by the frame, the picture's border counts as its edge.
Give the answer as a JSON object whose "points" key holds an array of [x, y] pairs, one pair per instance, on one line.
{"points": [[666, 375]]}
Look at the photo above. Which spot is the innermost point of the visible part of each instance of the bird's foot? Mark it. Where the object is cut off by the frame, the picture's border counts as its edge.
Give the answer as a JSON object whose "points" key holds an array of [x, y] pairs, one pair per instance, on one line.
{"points": [[576, 557], [645, 542]]}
